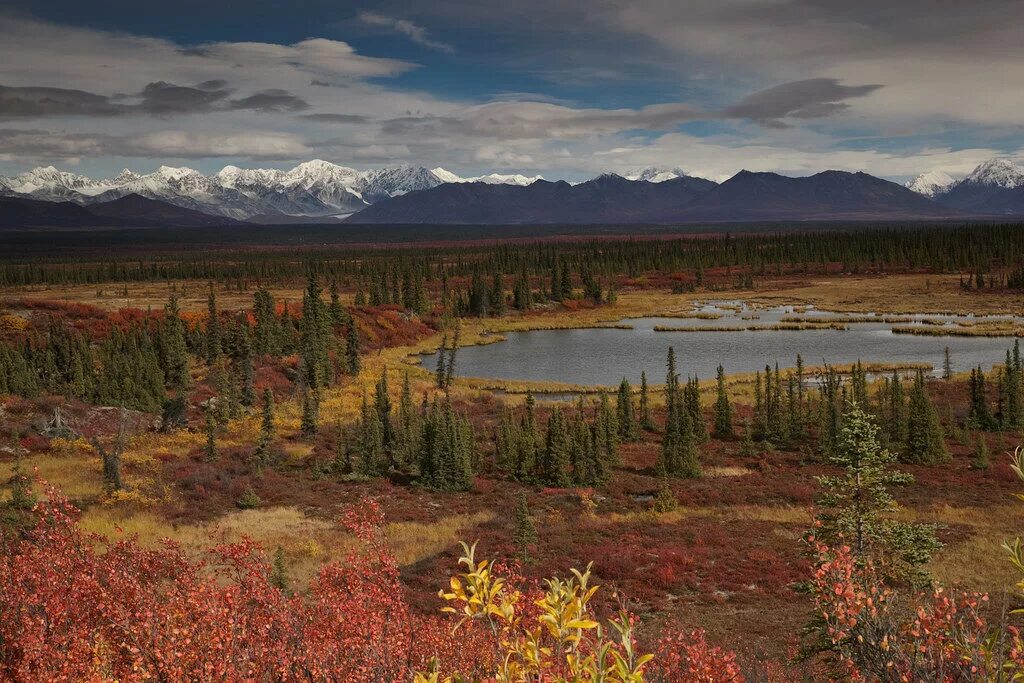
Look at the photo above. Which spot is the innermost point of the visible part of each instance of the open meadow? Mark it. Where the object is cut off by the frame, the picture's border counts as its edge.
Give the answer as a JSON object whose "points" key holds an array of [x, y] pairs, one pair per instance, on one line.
{"points": [[202, 411]]}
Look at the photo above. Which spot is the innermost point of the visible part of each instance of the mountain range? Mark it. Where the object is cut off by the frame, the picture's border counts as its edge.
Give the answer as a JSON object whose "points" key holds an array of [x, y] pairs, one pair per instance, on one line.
{"points": [[747, 196], [312, 190], [320, 191]]}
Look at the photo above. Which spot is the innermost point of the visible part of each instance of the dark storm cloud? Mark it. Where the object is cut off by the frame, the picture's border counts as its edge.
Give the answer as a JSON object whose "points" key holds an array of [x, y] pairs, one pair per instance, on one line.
{"points": [[164, 98], [812, 98], [273, 100], [156, 99], [337, 118], [36, 102]]}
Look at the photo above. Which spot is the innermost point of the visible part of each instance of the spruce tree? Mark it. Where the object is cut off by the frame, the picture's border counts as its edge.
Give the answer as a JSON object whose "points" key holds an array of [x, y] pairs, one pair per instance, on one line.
{"points": [[310, 413], [382, 406], [557, 451], [266, 438], [441, 373], [175, 351], [947, 365], [449, 370], [525, 533], [278, 571], [369, 442], [980, 461], [646, 422], [926, 444], [857, 506], [628, 430], [267, 331], [213, 332], [678, 450], [352, 348], [723, 411]]}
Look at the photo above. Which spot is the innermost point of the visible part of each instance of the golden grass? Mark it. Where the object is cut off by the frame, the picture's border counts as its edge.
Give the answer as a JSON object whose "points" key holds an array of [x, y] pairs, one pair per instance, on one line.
{"points": [[695, 315], [782, 326], [975, 331], [78, 477], [726, 471], [307, 541]]}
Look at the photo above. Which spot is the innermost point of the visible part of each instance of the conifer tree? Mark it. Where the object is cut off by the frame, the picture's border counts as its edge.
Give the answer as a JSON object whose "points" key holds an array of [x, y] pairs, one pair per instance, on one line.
{"points": [[980, 460], [947, 365], [522, 296], [646, 422], [760, 417], [278, 571], [723, 411], [370, 443], [628, 430], [441, 373], [175, 351], [558, 451], [266, 438], [1013, 390], [857, 505], [267, 333], [213, 332], [525, 533], [606, 429], [382, 406], [449, 369], [407, 431], [310, 413], [747, 447], [315, 333], [336, 312], [896, 420], [497, 296], [352, 347], [925, 441], [979, 416], [527, 461], [691, 395], [666, 500], [678, 450]]}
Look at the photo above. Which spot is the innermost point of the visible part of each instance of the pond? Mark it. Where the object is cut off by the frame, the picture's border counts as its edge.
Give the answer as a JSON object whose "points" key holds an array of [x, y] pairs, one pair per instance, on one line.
{"points": [[605, 356]]}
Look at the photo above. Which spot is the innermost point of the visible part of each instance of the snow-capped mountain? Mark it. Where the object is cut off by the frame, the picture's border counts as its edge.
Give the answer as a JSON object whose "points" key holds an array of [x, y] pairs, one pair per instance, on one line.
{"points": [[313, 189], [995, 187], [997, 173], [931, 183], [656, 175]]}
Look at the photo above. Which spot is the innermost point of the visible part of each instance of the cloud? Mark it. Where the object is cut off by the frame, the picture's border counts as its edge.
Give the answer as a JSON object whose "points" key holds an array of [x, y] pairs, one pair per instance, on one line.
{"points": [[541, 120], [413, 32], [158, 99], [164, 98], [47, 145], [272, 100], [337, 118], [35, 102], [811, 98]]}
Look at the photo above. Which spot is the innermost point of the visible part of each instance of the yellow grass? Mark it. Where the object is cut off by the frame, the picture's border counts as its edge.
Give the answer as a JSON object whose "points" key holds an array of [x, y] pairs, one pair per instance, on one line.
{"points": [[975, 331], [78, 477], [307, 541]]}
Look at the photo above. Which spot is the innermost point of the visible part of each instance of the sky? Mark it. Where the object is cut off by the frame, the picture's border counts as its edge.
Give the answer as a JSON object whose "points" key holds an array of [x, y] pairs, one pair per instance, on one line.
{"points": [[560, 88]]}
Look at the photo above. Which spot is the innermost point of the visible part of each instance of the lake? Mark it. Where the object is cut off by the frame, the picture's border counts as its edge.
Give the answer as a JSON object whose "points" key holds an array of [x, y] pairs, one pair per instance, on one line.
{"points": [[605, 356]]}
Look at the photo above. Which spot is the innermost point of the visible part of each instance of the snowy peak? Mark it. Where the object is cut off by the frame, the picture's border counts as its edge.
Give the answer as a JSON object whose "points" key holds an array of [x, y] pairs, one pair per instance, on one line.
{"points": [[997, 173], [656, 175], [931, 184]]}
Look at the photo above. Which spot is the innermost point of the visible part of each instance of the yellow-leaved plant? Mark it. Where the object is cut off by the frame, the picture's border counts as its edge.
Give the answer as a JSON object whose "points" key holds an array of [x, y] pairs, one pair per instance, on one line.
{"points": [[1014, 549], [561, 643]]}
